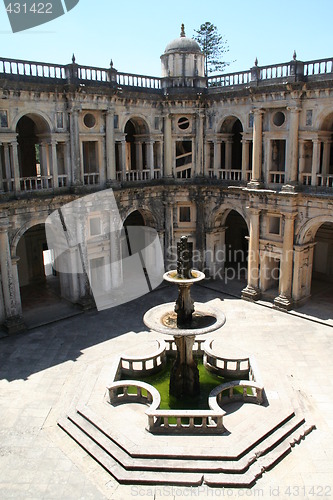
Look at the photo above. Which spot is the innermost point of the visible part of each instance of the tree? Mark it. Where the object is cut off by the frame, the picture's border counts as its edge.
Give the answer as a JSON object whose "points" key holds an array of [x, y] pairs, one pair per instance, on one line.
{"points": [[213, 46]]}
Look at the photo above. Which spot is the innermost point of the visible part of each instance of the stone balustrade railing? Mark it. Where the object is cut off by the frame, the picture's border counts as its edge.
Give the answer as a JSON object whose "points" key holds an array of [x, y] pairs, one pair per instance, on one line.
{"points": [[138, 365], [34, 183], [185, 421], [171, 348], [236, 390], [276, 177], [17, 69], [119, 392], [227, 367]]}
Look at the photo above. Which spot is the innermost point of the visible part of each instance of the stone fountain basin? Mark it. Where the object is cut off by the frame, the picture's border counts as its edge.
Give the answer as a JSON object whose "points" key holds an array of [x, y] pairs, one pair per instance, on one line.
{"points": [[171, 276], [153, 318]]}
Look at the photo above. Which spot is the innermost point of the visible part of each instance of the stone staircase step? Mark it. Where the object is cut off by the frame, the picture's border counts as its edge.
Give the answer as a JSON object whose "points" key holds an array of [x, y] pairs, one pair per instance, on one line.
{"points": [[89, 431], [122, 475], [155, 464], [278, 421], [264, 462]]}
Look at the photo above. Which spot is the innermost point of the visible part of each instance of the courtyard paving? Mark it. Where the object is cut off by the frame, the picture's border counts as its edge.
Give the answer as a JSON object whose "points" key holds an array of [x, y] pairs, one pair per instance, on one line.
{"points": [[46, 370]]}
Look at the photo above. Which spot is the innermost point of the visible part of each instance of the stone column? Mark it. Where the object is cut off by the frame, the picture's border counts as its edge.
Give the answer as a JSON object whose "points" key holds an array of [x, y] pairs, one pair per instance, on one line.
{"points": [[245, 158], [169, 251], [123, 159], [7, 165], [86, 301], [301, 160], [228, 154], [292, 156], [110, 147], [67, 159], [1, 175], [252, 292], [167, 146], [15, 165], [43, 159], [315, 162], [326, 160], [150, 158], [268, 162], [284, 301], [115, 254], [257, 149], [200, 232], [10, 287], [138, 152], [54, 164], [198, 161], [217, 156], [75, 148], [160, 157]]}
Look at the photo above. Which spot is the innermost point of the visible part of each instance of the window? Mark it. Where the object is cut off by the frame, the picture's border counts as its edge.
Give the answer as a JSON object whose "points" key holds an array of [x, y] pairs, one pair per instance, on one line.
{"points": [[309, 118], [279, 119], [60, 120], [157, 123], [183, 123], [116, 121], [274, 224], [90, 157], [251, 120], [3, 119], [184, 214], [95, 226], [183, 159], [89, 120]]}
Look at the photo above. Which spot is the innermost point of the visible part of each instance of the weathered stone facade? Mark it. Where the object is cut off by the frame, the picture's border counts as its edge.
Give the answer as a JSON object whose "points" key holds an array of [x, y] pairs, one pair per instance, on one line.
{"points": [[243, 161]]}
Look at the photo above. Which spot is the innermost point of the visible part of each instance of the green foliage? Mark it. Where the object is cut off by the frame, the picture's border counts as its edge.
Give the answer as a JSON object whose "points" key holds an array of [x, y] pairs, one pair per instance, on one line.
{"points": [[213, 46]]}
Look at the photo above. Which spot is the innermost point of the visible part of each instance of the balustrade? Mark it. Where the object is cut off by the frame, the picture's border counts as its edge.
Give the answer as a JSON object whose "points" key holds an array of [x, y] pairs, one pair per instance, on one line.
{"points": [[227, 367], [62, 180], [31, 69], [306, 179], [35, 183], [277, 177], [191, 421], [237, 390], [91, 179]]}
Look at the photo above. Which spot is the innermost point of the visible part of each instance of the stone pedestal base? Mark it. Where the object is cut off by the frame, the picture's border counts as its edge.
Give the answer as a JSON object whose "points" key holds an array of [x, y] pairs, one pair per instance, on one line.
{"points": [[291, 187], [14, 325], [184, 376], [254, 185], [250, 293], [283, 303]]}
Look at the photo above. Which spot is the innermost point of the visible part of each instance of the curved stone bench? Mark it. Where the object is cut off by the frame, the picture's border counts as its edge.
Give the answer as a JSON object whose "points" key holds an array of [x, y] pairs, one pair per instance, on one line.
{"points": [[133, 366], [227, 367], [145, 393], [217, 398]]}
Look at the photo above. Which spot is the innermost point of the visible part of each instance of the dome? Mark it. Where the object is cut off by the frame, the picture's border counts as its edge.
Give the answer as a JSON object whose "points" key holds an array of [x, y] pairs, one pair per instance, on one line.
{"points": [[183, 44]]}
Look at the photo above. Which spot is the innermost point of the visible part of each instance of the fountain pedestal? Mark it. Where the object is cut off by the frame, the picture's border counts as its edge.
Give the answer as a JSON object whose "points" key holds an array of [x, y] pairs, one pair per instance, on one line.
{"points": [[184, 376]]}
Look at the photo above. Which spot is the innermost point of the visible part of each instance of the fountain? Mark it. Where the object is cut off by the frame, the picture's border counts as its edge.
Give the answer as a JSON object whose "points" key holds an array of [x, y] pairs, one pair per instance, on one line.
{"points": [[184, 322]]}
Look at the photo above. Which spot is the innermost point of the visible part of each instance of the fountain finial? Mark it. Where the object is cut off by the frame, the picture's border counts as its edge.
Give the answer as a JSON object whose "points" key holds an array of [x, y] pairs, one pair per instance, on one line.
{"points": [[184, 258]]}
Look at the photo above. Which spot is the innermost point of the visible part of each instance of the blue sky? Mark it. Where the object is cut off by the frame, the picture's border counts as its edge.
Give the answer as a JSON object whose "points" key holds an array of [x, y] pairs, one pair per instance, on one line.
{"points": [[134, 33]]}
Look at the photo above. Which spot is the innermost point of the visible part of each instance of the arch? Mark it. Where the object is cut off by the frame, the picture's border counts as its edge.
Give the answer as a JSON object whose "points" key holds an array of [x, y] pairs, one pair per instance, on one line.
{"points": [[220, 214], [227, 123], [147, 216], [41, 119], [308, 230], [34, 160], [23, 229], [139, 123]]}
